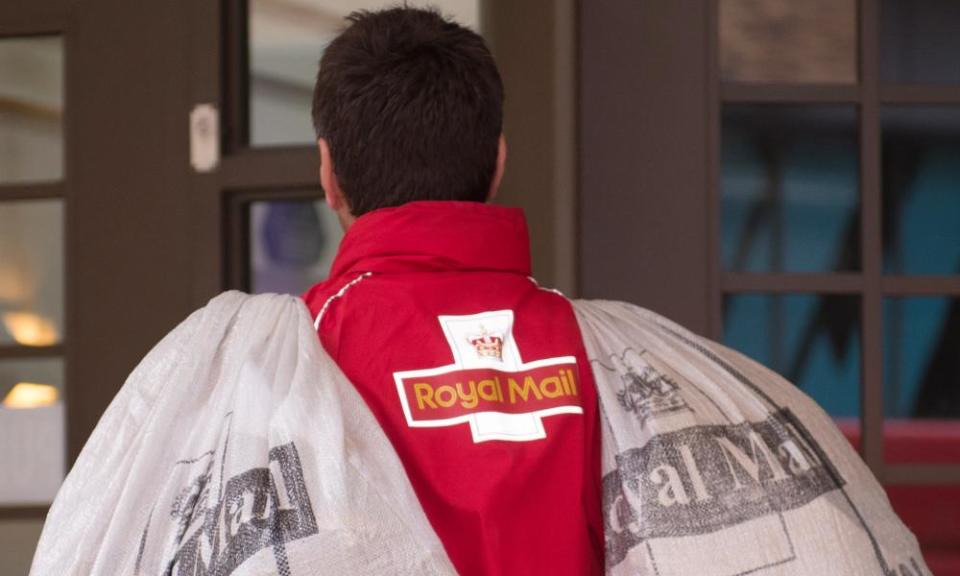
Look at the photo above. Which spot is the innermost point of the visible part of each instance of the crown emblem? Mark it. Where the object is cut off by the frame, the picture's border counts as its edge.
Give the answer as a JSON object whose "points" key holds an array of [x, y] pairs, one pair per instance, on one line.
{"points": [[487, 344]]}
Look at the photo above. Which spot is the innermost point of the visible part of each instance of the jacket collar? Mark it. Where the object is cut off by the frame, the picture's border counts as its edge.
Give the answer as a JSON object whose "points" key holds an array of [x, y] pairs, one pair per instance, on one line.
{"points": [[436, 236]]}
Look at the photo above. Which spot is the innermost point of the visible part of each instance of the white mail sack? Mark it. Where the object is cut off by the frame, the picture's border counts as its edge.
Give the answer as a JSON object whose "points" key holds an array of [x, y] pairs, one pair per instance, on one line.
{"points": [[237, 447], [716, 466]]}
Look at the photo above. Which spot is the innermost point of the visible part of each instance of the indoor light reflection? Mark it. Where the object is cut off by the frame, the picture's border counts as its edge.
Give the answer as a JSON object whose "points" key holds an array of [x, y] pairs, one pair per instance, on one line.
{"points": [[30, 329], [30, 395]]}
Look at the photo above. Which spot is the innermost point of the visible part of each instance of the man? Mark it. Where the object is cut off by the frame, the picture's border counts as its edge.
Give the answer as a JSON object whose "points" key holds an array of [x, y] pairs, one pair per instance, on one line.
{"points": [[237, 445], [481, 381], [478, 377]]}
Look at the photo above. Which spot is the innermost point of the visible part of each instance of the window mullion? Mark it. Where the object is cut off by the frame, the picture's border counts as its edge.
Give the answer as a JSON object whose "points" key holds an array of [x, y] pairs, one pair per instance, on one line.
{"points": [[871, 241]]}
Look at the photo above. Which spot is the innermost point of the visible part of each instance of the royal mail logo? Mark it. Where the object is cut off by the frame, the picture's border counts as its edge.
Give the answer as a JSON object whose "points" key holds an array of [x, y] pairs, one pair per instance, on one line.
{"points": [[489, 386], [487, 345]]}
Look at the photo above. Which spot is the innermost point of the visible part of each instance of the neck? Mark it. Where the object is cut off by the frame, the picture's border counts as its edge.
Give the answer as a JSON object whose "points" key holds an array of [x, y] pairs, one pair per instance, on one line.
{"points": [[346, 218]]}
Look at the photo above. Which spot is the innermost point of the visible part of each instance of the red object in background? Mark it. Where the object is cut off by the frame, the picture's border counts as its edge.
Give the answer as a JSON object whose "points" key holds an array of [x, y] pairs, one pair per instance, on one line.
{"points": [[931, 512], [921, 441]]}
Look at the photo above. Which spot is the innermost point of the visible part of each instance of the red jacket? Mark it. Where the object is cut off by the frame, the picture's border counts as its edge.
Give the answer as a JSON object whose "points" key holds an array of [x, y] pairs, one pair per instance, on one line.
{"points": [[479, 379]]}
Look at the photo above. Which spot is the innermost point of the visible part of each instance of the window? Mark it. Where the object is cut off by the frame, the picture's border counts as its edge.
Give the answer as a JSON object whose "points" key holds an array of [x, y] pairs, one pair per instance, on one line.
{"points": [[280, 237], [32, 327], [837, 201]]}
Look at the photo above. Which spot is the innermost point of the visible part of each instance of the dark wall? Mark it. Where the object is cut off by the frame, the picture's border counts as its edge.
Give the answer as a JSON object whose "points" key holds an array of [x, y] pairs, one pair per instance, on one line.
{"points": [[129, 252], [643, 155], [534, 42]]}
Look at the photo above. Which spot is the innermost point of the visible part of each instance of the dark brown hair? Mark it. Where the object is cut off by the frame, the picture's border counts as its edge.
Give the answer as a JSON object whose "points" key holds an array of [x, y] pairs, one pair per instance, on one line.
{"points": [[411, 106]]}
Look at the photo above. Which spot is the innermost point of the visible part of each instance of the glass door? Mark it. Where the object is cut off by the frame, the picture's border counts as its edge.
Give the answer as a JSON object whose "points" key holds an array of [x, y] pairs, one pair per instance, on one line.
{"points": [[278, 235], [34, 206]]}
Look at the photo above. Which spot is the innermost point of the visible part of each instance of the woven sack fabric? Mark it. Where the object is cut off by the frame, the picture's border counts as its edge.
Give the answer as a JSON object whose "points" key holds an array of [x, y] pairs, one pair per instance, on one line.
{"points": [[716, 466], [237, 447]]}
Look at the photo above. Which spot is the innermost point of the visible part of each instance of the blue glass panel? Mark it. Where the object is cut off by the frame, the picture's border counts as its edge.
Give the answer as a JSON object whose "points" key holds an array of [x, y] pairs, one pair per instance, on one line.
{"points": [[919, 41], [812, 340], [292, 244], [921, 380], [790, 189], [921, 357], [921, 189]]}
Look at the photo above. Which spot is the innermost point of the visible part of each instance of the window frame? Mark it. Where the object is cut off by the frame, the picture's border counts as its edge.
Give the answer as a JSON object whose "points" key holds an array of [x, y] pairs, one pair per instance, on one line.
{"points": [[870, 283], [39, 19]]}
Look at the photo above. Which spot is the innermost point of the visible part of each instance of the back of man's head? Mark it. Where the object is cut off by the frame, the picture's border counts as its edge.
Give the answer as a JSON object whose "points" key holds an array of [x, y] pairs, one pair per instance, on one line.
{"points": [[411, 107]]}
